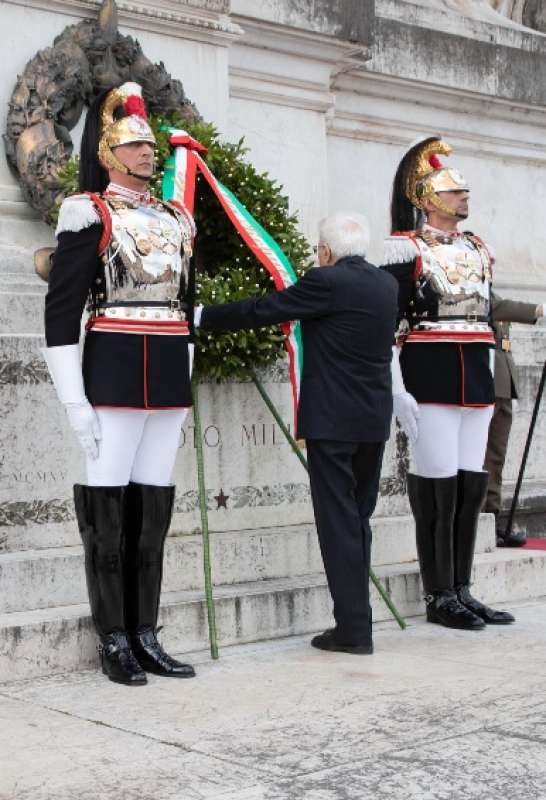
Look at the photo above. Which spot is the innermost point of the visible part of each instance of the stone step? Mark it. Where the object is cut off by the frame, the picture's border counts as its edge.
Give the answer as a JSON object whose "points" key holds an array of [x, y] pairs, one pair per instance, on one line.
{"points": [[36, 579], [47, 641]]}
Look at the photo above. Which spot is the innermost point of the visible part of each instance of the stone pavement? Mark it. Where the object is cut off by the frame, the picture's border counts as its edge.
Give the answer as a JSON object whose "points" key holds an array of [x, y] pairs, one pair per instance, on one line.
{"points": [[433, 715]]}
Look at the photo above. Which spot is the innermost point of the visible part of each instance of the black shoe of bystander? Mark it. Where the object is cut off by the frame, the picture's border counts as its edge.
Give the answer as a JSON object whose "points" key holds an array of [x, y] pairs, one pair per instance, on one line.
{"points": [[327, 641], [514, 538]]}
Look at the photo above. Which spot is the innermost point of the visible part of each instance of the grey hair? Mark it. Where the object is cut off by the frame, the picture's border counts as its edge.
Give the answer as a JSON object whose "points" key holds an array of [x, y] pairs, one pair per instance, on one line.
{"points": [[345, 233]]}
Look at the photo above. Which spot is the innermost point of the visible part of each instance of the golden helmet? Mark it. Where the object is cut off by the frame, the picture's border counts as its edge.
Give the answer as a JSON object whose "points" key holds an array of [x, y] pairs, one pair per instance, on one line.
{"points": [[133, 127], [427, 176]]}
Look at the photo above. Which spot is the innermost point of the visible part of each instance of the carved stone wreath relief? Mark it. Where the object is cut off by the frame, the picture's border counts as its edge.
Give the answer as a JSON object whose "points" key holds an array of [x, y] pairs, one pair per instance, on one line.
{"points": [[56, 85]]}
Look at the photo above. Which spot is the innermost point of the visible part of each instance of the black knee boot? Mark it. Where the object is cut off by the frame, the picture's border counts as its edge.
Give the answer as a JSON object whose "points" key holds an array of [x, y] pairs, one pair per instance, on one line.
{"points": [[148, 511], [433, 503], [99, 511], [472, 488]]}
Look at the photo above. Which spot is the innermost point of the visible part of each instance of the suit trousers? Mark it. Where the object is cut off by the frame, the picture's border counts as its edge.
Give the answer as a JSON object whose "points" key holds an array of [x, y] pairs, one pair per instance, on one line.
{"points": [[497, 444], [344, 478]]}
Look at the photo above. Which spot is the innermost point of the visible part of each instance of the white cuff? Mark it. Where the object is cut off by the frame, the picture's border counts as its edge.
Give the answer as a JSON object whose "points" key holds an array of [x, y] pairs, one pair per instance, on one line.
{"points": [[65, 369]]}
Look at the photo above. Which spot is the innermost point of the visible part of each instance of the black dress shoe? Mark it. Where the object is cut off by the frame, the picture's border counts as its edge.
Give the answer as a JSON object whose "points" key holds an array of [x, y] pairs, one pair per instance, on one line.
{"points": [[118, 661], [152, 658], [445, 609], [514, 538], [327, 641], [489, 615]]}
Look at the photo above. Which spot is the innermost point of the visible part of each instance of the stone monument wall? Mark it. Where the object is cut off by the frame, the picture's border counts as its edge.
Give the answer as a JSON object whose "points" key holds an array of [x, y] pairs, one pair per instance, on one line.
{"points": [[328, 95]]}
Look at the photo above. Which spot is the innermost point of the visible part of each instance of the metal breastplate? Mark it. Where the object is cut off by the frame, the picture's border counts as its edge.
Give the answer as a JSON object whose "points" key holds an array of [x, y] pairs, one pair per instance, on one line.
{"points": [[459, 274], [148, 253]]}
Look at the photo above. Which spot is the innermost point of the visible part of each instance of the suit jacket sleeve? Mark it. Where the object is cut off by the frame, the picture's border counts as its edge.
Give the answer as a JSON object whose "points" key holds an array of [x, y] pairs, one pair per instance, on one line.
{"points": [[73, 273], [310, 297], [512, 310]]}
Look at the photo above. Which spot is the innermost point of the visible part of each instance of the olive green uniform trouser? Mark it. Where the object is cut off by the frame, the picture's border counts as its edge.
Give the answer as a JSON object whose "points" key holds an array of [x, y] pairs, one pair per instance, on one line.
{"points": [[506, 386], [499, 432]]}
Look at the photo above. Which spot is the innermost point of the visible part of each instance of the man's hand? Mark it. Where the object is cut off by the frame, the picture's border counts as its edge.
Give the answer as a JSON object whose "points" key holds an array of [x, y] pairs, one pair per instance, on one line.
{"points": [[85, 424], [407, 413]]}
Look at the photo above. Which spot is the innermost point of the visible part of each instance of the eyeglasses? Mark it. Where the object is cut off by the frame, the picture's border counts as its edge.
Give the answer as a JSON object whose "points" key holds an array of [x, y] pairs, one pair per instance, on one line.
{"points": [[317, 247]]}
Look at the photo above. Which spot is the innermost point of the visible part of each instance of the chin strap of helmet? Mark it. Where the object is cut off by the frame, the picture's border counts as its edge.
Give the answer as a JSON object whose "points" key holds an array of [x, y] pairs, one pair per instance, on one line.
{"points": [[145, 178]]}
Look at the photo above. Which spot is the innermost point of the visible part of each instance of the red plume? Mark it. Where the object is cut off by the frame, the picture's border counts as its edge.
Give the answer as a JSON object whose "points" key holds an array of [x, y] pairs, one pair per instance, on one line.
{"points": [[134, 106], [435, 162]]}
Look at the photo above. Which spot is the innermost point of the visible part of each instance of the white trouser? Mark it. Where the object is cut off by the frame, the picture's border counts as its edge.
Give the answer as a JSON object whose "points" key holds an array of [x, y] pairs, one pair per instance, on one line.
{"points": [[450, 438], [136, 445]]}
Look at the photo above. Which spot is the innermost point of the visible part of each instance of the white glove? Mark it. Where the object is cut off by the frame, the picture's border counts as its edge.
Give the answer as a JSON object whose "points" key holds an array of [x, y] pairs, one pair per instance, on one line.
{"points": [[542, 319], [65, 369], [85, 424], [405, 404], [197, 311]]}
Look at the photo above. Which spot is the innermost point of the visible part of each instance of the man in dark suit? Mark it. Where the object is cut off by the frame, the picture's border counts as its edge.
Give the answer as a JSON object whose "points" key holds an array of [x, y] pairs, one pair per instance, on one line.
{"points": [[348, 311]]}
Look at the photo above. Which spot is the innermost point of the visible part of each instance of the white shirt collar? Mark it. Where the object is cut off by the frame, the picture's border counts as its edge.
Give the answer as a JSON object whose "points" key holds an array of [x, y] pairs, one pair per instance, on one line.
{"points": [[135, 198]]}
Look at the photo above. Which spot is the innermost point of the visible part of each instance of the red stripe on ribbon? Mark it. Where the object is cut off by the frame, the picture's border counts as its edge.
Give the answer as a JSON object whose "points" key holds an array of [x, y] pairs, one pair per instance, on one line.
{"points": [[188, 141], [285, 327], [145, 343]]}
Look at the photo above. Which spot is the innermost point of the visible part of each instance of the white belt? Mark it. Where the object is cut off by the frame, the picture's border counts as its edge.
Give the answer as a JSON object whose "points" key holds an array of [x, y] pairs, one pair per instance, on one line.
{"points": [[456, 325], [138, 313]]}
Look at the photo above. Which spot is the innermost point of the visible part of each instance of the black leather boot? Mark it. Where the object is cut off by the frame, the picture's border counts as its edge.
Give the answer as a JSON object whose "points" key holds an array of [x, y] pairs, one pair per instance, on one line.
{"points": [[433, 502], [472, 488], [446, 609], [148, 511], [99, 510]]}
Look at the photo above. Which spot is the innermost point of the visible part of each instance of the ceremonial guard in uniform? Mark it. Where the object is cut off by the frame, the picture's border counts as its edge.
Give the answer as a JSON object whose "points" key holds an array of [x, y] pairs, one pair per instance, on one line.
{"points": [[127, 255], [442, 375]]}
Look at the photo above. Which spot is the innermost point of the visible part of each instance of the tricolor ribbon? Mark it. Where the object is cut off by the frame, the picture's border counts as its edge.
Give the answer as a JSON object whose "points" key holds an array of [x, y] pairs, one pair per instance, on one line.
{"points": [[179, 185]]}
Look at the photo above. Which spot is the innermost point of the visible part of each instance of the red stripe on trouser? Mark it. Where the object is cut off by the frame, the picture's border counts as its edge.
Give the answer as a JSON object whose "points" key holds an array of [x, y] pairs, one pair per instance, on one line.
{"points": [[145, 371], [461, 358]]}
